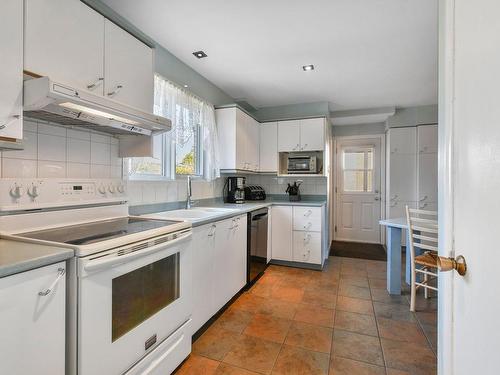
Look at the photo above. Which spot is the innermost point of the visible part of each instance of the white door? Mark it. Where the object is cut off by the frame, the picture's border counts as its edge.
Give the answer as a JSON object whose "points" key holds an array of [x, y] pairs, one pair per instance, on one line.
{"points": [[32, 326], [358, 190], [64, 39], [469, 145], [203, 245], [289, 135], [312, 134], [282, 233], [268, 147], [128, 69], [11, 73]]}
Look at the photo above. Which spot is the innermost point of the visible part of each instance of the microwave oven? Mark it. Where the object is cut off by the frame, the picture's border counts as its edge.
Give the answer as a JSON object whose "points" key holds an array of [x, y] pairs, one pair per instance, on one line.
{"points": [[299, 164]]}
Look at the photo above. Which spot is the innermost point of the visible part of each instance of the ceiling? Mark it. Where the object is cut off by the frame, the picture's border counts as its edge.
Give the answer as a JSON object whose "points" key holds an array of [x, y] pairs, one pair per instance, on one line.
{"points": [[366, 53]]}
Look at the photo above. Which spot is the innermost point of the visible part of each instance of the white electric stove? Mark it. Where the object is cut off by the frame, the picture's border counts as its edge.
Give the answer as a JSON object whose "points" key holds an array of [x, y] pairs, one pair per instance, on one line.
{"points": [[129, 285]]}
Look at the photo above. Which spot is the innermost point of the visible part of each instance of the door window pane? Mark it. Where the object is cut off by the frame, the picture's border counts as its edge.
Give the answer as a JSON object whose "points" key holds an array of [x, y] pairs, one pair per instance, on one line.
{"points": [[141, 293], [354, 181], [357, 165]]}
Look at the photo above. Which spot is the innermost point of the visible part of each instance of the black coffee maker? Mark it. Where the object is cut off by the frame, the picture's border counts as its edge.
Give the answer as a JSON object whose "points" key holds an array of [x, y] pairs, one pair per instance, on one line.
{"points": [[234, 190]]}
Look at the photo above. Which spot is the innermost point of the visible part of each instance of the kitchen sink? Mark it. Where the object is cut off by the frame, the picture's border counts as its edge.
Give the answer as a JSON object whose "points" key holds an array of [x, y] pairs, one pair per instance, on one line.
{"points": [[194, 214]]}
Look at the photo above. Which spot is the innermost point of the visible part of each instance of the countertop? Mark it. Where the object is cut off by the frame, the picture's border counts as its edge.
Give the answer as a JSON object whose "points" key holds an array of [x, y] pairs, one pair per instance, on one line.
{"points": [[16, 257], [399, 222], [241, 208]]}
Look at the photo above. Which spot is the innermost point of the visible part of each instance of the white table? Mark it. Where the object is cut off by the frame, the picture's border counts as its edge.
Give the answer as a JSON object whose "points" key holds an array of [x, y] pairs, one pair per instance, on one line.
{"points": [[394, 230]]}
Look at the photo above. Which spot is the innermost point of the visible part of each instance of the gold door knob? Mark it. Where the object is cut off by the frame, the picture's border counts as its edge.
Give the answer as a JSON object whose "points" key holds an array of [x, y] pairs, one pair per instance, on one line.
{"points": [[447, 264]]}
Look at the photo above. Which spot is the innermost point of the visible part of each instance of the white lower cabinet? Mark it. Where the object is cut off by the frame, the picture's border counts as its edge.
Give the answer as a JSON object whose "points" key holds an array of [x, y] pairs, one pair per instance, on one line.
{"points": [[219, 266], [307, 247], [33, 326], [297, 234], [282, 232]]}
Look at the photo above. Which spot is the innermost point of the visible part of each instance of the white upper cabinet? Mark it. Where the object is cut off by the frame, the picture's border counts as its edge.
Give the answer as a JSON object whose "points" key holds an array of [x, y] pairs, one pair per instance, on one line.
{"points": [[11, 72], [301, 135], [289, 135], [427, 136], [72, 44], [402, 140], [239, 139], [128, 68], [64, 39], [312, 134], [269, 147], [402, 177]]}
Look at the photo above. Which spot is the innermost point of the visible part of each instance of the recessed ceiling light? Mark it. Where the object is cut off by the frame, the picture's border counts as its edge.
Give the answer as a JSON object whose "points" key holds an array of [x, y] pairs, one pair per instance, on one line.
{"points": [[307, 68], [186, 86], [200, 54]]}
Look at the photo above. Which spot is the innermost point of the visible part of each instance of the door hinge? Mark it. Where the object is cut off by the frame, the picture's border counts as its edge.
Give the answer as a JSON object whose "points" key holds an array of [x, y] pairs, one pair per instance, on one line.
{"points": [[335, 189], [335, 228]]}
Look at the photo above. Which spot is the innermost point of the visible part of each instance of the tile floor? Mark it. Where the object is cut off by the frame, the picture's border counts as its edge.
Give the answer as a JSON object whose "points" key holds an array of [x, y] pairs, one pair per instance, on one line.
{"points": [[338, 321]]}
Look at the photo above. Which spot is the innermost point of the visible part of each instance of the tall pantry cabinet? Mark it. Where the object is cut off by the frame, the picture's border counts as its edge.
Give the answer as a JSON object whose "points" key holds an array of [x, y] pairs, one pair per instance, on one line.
{"points": [[412, 163]]}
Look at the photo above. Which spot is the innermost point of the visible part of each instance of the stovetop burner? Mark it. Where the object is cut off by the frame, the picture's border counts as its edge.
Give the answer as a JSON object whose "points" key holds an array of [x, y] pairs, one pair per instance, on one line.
{"points": [[97, 231]]}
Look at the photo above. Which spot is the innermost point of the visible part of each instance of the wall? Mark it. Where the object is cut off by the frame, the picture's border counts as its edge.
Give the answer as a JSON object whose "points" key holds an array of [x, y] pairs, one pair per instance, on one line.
{"points": [[292, 111], [53, 151], [414, 116], [361, 129], [58, 152], [278, 185]]}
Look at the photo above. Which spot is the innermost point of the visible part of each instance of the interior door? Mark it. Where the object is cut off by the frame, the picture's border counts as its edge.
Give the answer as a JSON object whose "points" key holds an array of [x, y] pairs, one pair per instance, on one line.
{"points": [[358, 190], [469, 144]]}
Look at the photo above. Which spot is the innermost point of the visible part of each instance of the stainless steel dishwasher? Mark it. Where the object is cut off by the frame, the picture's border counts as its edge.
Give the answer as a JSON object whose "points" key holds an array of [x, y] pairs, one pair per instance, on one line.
{"points": [[256, 244]]}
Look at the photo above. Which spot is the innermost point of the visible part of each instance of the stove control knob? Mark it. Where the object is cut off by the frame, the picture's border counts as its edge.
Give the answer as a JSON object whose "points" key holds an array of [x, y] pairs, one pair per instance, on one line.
{"points": [[16, 191], [112, 189], [121, 189], [33, 191], [101, 189]]}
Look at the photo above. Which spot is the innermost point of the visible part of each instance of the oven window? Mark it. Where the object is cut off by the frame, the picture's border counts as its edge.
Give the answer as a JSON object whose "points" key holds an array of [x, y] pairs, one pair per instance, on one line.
{"points": [[143, 292]]}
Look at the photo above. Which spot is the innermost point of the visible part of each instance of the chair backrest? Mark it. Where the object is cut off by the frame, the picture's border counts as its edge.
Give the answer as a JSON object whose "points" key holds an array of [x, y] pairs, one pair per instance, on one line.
{"points": [[422, 230]]}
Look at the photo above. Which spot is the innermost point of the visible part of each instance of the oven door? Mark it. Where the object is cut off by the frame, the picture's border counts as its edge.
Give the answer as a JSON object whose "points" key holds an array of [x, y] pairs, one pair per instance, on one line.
{"points": [[130, 300]]}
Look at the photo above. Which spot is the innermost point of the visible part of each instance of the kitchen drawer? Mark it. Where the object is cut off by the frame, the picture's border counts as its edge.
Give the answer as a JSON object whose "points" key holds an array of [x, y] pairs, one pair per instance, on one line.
{"points": [[169, 354], [307, 247], [307, 218]]}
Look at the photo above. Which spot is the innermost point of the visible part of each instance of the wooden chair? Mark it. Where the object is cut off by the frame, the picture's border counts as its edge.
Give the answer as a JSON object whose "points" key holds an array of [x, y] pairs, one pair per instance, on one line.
{"points": [[423, 235]]}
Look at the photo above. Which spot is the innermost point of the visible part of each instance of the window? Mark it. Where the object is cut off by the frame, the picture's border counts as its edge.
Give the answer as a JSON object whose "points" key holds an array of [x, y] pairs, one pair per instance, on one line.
{"points": [[357, 169], [190, 148]]}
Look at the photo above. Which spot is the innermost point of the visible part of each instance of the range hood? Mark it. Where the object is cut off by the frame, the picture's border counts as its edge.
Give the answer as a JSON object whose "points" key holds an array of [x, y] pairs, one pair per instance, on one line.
{"points": [[64, 105]]}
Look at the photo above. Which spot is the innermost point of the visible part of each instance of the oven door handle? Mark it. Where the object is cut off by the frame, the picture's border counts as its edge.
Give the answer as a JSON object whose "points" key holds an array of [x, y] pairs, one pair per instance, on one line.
{"points": [[105, 262]]}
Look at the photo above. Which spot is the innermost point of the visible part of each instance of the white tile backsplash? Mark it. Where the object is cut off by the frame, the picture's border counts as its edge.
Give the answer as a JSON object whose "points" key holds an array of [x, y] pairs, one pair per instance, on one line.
{"points": [[78, 150], [51, 147], [53, 151], [278, 185], [56, 151], [51, 169]]}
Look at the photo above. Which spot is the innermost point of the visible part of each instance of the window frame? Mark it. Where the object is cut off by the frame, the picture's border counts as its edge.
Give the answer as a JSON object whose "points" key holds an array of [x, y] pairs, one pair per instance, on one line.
{"points": [[169, 152], [365, 150]]}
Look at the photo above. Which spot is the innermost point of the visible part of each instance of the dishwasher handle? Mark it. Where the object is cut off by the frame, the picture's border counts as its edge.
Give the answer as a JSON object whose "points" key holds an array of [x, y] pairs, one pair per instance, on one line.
{"points": [[259, 216]]}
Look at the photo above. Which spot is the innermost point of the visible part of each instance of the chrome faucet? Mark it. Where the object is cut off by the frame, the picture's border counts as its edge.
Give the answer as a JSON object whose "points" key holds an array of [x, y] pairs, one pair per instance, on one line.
{"points": [[189, 202]]}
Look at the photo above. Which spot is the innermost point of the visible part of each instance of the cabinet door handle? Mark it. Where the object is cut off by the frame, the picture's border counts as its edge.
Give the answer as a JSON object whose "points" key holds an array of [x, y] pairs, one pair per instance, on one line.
{"points": [[423, 205], [394, 204], [12, 119], [303, 147], [394, 197], [95, 84], [423, 199], [212, 230], [307, 226], [308, 213], [115, 91], [60, 274]]}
